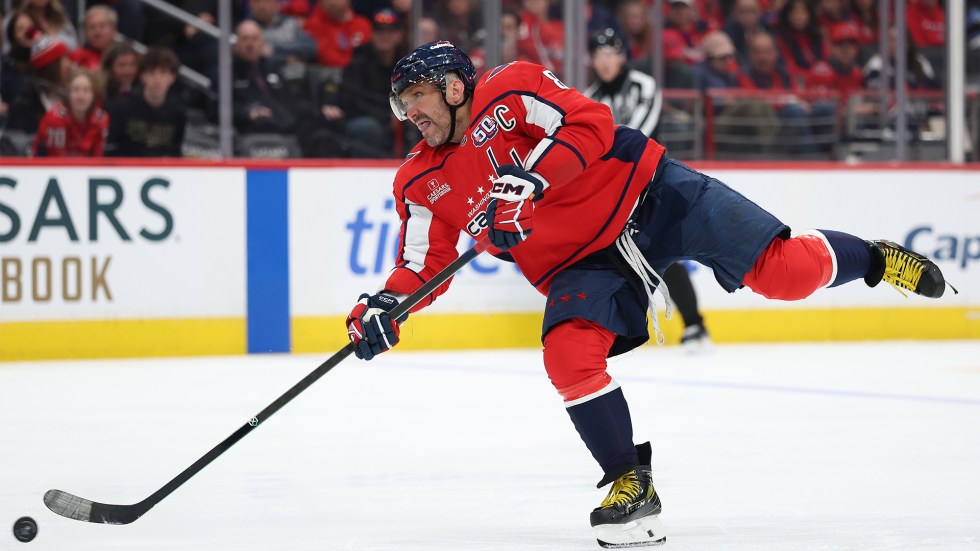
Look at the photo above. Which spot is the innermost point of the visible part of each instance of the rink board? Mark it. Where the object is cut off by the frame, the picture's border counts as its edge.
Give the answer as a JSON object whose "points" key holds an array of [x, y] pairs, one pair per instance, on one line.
{"points": [[181, 258]]}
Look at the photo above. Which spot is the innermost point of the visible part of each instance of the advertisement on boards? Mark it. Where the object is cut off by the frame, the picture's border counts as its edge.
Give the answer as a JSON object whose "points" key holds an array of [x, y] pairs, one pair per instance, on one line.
{"points": [[91, 243]]}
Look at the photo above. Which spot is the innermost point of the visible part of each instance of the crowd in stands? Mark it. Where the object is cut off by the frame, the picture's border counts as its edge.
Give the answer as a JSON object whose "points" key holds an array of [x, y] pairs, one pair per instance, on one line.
{"points": [[318, 70]]}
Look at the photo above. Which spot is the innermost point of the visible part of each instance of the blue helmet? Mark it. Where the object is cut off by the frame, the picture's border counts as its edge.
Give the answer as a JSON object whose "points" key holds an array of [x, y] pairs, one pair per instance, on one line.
{"points": [[430, 63]]}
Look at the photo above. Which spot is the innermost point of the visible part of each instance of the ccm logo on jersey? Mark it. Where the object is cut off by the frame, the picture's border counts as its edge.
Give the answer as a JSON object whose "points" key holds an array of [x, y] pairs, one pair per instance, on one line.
{"points": [[437, 190]]}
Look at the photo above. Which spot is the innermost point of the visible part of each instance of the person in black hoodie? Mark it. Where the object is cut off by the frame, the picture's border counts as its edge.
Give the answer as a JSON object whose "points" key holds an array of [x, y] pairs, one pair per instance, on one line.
{"points": [[149, 123], [368, 113]]}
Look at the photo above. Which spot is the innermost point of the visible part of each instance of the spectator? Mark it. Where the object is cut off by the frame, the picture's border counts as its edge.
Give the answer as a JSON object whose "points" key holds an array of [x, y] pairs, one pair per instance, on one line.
{"points": [[741, 124], [100, 26], [337, 31], [510, 30], [44, 87], [460, 22], [919, 72], [15, 65], [131, 20], [286, 41], [52, 20], [260, 104], [682, 33], [926, 22], [830, 12], [119, 66], [745, 22], [763, 73], [798, 37], [150, 123], [77, 128], [542, 40], [428, 30], [865, 15], [840, 73], [719, 68], [639, 34], [367, 112]]}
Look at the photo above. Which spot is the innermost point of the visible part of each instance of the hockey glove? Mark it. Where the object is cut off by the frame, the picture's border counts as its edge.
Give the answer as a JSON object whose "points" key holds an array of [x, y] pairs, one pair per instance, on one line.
{"points": [[370, 327], [511, 206]]}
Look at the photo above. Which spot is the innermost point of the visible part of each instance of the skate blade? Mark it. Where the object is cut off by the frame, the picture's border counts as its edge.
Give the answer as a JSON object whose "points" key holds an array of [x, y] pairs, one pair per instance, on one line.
{"points": [[638, 533]]}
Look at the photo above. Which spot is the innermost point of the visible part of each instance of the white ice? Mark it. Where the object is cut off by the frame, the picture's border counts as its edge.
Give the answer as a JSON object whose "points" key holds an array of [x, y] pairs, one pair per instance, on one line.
{"points": [[756, 447]]}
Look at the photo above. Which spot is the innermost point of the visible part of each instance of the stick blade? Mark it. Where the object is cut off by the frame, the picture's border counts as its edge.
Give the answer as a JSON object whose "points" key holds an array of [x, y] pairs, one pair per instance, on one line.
{"points": [[77, 508]]}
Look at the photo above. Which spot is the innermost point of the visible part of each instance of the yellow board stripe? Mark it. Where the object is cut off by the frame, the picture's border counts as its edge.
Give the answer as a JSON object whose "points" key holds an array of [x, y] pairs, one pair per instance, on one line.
{"points": [[48, 340], [208, 336], [460, 331]]}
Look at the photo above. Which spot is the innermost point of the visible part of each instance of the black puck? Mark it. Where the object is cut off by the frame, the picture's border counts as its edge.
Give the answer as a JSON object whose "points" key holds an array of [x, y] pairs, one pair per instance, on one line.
{"points": [[25, 529]]}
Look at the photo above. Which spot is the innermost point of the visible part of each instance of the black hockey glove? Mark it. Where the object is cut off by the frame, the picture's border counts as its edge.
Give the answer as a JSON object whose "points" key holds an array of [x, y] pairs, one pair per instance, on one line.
{"points": [[370, 327]]}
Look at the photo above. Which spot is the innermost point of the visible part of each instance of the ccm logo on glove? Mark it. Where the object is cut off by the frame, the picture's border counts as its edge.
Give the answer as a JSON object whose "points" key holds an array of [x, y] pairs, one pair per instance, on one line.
{"points": [[370, 327], [511, 205]]}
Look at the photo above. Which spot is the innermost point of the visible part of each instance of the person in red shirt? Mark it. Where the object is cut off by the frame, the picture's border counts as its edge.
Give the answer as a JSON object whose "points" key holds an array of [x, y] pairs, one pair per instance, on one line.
{"points": [[541, 39], [926, 22], [337, 31], [100, 27], [840, 72], [592, 213], [78, 129], [798, 37], [865, 16]]}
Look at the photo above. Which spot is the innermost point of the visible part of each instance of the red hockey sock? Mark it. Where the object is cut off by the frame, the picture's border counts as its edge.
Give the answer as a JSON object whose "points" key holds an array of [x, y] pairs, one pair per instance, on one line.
{"points": [[792, 269]]}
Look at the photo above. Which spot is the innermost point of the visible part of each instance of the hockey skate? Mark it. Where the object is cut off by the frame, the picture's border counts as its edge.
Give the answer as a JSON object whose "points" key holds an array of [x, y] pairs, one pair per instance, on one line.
{"points": [[629, 516], [695, 339], [904, 269]]}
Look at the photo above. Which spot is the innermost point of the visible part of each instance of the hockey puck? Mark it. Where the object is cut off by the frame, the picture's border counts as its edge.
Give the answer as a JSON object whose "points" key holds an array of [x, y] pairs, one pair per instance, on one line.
{"points": [[25, 529]]}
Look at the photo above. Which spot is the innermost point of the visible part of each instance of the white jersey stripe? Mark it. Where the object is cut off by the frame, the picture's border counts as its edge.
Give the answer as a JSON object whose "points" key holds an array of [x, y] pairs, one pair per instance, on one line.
{"points": [[541, 114], [416, 245]]}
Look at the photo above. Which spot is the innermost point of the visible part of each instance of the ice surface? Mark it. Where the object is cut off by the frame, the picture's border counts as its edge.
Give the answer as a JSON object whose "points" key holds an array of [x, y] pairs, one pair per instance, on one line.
{"points": [[809, 447]]}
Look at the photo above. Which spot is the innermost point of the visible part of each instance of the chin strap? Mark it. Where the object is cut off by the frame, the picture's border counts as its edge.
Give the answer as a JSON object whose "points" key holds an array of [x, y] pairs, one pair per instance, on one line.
{"points": [[452, 113]]}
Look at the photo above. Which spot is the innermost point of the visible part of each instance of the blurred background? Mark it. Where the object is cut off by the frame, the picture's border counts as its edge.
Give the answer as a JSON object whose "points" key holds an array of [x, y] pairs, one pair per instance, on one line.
{"points": [[845, 80]]}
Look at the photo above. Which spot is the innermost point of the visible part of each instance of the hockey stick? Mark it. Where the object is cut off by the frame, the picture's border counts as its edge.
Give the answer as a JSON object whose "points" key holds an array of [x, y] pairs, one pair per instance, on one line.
{"points": [[74, 507]]}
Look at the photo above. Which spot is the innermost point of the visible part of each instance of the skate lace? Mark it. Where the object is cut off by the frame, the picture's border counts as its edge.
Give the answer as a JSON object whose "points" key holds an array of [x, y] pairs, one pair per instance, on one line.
{"points": [[652, 282], [902, 270], [625, 490]]}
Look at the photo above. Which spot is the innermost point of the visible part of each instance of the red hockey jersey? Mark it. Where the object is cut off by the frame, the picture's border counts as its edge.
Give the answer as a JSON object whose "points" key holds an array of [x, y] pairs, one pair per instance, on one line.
{"points": [[60, 135], [522, 114]]}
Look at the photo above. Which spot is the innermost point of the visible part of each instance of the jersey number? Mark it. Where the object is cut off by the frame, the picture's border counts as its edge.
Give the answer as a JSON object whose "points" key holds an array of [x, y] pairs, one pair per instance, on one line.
{"points": [[554, 79]]}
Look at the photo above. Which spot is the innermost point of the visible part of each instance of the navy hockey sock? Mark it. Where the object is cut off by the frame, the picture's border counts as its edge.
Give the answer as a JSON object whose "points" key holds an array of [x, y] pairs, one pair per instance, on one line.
{"points": [[605, 426], [854, 256]]}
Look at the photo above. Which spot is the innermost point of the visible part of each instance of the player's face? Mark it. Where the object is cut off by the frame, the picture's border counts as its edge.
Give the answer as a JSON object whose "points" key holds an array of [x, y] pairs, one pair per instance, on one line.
{"points": [[425, 107]]}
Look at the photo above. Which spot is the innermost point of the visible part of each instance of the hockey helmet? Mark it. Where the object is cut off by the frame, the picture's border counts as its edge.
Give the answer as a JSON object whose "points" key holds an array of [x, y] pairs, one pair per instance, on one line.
{"points": [[606, 38], [430, 63]]}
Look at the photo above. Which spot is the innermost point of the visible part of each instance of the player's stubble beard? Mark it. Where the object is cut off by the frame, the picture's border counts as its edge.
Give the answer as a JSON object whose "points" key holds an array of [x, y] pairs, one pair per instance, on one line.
{"points": [[438, 132]]}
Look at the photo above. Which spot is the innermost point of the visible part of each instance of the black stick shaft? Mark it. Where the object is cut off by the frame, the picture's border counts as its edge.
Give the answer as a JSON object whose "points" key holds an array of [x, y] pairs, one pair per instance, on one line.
{"points": [[402, 307]]}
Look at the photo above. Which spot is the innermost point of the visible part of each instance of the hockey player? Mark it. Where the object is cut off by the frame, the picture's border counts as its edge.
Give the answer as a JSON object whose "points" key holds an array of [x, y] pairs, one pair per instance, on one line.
{"points": [[592, 214], [635, 100]]}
